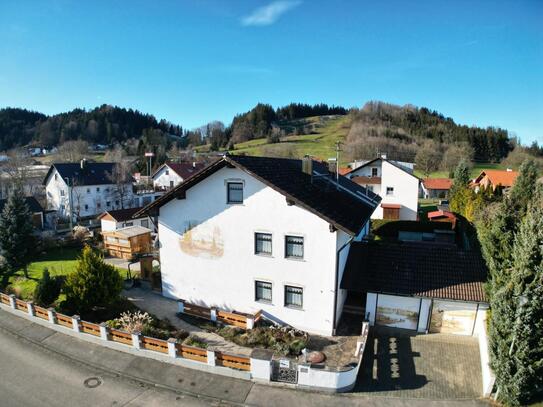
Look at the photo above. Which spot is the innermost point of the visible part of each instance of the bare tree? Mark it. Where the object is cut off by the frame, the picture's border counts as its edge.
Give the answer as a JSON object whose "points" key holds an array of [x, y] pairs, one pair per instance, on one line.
{"points": [[121, 177], [73, 151], [428, 158], [454, 154]]}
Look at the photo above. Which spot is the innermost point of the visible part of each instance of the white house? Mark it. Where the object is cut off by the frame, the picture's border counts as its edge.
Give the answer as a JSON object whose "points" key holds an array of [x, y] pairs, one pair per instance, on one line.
{"points": [[394, 182], [170, 175], [122, 218], [256, 233], [85, 189]]}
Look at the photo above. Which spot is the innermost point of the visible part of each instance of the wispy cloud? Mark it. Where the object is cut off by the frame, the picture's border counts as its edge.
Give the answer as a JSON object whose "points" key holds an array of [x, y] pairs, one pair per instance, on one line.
{"points": [[269, 14]]}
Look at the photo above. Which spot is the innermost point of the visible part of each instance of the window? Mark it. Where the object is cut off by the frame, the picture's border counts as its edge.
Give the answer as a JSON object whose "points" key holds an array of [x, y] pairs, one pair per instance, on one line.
{"points": [[56, 177], [62, 192], [294, 247], [263, 243], [373, 171], [145, 223], [108, 204], [127, 224], [390, 190], [167, 172], [294, 296], [107, 189], [86, 207], [235, 192], [98, 205], [171, 184], [88, 190], [263, 291], [117, 202], [97, 189]]}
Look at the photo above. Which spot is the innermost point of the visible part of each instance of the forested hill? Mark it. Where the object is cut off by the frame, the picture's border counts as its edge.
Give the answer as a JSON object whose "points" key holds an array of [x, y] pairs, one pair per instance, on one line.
{"points": [[102, 125]]}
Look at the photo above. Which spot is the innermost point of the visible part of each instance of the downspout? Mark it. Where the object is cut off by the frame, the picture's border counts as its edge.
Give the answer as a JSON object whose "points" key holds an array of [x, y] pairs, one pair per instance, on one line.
{"points": [[336, 282]]}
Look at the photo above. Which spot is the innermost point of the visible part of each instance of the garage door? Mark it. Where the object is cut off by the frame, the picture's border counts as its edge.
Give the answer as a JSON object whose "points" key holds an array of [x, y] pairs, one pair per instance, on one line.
{"points": [[453, 317], [397, 312]]}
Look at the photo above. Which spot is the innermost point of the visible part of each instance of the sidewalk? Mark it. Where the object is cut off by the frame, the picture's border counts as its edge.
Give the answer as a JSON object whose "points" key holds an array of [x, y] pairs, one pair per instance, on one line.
{"points": [[163, 307], [212, 389]]}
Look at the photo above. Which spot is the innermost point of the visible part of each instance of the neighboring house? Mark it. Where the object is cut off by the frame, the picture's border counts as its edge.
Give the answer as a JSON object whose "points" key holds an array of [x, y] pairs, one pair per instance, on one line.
{"points": [[502, 179], [38, 214], [435, 187], [417, 286], [128, 242], [442, 216], [394, 182], [170, 175], [122, 218], [256, 233], [85, 189]]}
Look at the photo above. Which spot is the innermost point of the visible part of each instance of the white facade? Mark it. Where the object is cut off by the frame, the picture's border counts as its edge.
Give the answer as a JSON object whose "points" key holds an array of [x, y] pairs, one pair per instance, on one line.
{"points": [[166, 178], [109, 225], [396, 186], [86, 200], [207, 251]]}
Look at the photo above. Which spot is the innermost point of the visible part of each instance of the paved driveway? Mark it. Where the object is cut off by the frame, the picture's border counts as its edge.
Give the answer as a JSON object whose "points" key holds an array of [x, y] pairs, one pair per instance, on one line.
{"points": [[436, 366]]}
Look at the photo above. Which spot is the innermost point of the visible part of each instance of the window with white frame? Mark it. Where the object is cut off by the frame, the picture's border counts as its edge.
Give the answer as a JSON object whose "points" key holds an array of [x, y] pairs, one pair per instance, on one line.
{"points": [[263, 243], [263, 291], [62, 192], [374, 171], [167, 172], [234, 192], [294, 247], [294, 296], [390, 190]]}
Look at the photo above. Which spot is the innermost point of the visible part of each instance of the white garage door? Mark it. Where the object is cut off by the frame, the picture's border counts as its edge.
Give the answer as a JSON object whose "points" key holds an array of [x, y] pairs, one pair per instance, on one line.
{"points": [[453, 317], [397, 312]]}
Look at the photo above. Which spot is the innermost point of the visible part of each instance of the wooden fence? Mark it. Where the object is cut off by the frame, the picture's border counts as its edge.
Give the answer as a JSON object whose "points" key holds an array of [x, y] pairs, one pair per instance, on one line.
{"points": [[241, 320], [170, 347]]}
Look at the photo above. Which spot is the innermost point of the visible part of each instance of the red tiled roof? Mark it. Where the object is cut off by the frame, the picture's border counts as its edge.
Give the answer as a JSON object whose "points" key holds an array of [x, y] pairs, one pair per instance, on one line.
{"points": [[344, 170], [437, 214], [498, 177], [185, 170], [437, 183]]}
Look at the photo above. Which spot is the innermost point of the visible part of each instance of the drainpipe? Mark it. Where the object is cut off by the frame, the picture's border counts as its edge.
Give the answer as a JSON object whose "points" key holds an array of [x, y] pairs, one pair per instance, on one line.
{"points": [[336, 282]]}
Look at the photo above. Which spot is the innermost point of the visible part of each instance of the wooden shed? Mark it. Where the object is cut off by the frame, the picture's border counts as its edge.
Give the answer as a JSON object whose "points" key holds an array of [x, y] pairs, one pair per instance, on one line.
{"points": [[127, 242]]}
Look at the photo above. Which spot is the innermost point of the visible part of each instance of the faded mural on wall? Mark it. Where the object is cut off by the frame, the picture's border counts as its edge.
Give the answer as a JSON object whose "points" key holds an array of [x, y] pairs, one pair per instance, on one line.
{"points": [[202, 240], [397, 312], [453, 318]]}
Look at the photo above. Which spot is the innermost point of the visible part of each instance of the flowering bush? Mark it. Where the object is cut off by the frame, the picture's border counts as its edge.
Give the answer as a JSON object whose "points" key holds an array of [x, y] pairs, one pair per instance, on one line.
{"points": [[132, 321]]}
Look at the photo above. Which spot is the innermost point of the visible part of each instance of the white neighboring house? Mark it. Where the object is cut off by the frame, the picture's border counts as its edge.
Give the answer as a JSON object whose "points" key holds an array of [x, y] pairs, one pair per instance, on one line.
{"points": [[123, 218], [85, 187], [394, 182], [256, 233], [170, 175]]}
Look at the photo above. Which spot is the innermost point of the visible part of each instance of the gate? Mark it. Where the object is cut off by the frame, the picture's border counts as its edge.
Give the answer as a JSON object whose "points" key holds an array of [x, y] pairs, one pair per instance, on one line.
{"points": [[284, 370]]}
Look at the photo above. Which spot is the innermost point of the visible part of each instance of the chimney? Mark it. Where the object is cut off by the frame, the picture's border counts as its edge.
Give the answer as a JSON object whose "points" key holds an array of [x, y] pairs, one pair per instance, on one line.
{"points": [[307, 165], [384, 156], [194, 164], [83, 163], [509, 170]]}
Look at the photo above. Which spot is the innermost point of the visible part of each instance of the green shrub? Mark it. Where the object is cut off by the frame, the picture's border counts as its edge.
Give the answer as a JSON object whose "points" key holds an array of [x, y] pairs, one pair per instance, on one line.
{"points": [[194, 341], [47, 290], [94, 284]]}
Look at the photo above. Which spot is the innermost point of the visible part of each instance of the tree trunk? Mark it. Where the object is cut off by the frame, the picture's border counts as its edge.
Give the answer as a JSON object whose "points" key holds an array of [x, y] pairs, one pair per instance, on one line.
{"points": [[25, 271]]}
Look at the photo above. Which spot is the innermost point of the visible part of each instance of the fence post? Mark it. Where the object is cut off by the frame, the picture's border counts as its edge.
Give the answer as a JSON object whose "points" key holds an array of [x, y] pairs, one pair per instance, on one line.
{"points": [[51, 315], [75, 323], [136, 340], [12, 302], [261, 368], [172, 349], [211, 357], [250, 322], [213, 314], [181, 306], [30, 307], [104, 331]]}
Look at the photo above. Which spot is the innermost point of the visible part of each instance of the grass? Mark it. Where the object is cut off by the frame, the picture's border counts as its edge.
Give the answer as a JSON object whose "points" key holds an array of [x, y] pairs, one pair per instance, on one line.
{"points": [[60, 262], [475, 170]]}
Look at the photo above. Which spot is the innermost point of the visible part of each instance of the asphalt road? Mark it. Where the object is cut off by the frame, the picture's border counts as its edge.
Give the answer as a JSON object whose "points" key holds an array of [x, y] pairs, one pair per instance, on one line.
{"points": [[33, 376]]}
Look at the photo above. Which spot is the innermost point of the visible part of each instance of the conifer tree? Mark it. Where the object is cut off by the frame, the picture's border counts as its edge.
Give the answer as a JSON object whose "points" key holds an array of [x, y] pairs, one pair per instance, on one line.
{"points": [[17, 241]]}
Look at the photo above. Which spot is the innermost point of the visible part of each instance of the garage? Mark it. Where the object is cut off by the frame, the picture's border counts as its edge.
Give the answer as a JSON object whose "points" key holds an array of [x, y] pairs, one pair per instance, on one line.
{"points": [[452, 317], [397, 312]]}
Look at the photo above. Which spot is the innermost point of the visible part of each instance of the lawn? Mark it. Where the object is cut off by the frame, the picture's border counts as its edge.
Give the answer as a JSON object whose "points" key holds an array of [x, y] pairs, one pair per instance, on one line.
{"points": [[475, 170], [59, 261]]}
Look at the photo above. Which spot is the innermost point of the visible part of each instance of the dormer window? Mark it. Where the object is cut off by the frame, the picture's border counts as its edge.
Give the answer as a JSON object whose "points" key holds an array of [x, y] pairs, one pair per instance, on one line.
{"points": [[234, 192]]}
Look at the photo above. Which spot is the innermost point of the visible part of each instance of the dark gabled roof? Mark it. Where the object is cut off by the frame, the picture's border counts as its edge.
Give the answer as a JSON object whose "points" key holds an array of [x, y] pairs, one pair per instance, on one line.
{"points": [[415, 269], [398, 166], [93, 174], [348, 207], [32, 203], [184, 170], [121, 215]]}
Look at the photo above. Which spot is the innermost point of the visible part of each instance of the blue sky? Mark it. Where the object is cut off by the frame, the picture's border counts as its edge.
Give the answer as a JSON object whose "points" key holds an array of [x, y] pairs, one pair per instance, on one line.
{"points": [[193, 61]]}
